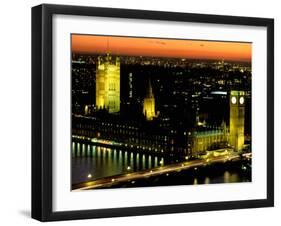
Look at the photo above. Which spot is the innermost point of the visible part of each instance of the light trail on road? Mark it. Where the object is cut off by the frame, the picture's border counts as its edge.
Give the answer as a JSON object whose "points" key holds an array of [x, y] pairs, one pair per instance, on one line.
{"points": [[109, 181]]}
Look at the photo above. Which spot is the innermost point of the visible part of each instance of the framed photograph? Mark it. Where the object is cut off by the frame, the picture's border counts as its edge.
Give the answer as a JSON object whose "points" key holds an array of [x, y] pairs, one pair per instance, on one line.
{"points": [[147, 112]]}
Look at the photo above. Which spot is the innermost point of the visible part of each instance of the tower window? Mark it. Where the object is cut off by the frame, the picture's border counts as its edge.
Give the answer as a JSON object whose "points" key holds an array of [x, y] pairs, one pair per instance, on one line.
{"points": [[112, 86]]}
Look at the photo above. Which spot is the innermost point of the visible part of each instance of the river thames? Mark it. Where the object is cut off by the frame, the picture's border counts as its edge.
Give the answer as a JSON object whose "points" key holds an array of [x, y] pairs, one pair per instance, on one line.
{"points": [[92, 162]]}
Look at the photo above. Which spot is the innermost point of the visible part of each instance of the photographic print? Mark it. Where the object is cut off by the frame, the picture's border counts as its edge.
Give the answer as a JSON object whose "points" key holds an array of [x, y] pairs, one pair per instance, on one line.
{"points": [[147, 112], [159, 112]]}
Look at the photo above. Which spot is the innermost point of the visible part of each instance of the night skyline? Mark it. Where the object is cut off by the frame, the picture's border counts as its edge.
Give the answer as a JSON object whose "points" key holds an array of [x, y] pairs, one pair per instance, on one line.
{"points": [[156, 115]]}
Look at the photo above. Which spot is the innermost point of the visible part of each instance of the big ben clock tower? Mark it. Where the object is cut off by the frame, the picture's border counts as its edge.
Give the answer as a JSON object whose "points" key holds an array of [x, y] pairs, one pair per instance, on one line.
{"points": [[236, 122]]}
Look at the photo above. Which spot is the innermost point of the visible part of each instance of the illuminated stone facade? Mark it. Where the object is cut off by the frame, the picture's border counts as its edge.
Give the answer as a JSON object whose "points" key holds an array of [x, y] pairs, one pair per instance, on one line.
{"points": [[149, 104], [108, 83], [236, 122], [207, 139], [216, 138]]}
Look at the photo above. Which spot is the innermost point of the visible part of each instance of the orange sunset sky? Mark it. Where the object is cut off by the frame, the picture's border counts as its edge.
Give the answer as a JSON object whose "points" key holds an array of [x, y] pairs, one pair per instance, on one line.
{"points": [[193, 49]]}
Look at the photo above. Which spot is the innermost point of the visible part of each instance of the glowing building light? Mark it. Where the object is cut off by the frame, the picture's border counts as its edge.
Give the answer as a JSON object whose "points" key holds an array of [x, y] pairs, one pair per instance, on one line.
{"points": [[149, 104], [219, 92], [236, 122], [108, 83]]}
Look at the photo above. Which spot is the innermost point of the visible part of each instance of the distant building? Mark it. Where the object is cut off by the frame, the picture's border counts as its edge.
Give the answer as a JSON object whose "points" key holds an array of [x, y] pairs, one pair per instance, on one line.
{"points": [[108, 83], [130, 85], [149, 103]]}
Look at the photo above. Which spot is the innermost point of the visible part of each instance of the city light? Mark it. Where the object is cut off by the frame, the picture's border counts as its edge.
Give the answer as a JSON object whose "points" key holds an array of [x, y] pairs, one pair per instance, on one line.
{"points": [[138, 118]]}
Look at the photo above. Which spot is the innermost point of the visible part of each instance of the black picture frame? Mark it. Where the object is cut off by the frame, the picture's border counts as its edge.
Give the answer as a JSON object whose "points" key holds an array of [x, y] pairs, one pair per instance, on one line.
{"points": [[42, 111]]}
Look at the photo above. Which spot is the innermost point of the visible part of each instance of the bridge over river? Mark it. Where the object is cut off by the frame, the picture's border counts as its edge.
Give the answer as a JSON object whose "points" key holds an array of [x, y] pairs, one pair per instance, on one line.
{"points": [[98, 167]]}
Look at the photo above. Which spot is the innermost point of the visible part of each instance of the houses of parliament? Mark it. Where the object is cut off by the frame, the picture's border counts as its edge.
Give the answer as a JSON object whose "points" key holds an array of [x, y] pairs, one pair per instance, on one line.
{"points": [[153, 135]]}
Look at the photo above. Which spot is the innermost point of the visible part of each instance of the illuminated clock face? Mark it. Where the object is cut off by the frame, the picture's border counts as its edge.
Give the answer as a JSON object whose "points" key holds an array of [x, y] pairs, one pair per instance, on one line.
{"points": [[241, 100], [233, 100]]}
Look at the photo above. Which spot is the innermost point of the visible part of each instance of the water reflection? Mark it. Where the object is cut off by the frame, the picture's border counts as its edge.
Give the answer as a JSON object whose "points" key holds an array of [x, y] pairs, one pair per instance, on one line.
{"points": [[99, 162], [102, 162]]}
